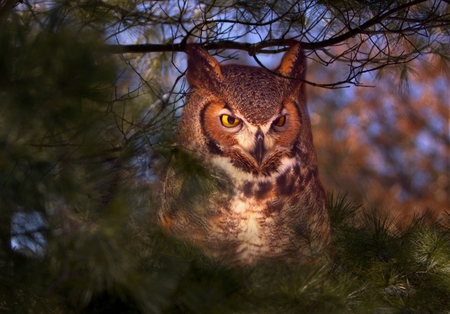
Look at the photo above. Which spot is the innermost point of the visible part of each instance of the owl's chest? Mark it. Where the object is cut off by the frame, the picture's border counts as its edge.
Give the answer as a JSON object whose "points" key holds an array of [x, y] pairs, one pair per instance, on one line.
{"points": [[254, 219]]}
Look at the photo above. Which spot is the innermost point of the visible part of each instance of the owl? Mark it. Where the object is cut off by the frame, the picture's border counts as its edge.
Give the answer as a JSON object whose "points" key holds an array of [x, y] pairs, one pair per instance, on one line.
{"points": [[248, 127]]}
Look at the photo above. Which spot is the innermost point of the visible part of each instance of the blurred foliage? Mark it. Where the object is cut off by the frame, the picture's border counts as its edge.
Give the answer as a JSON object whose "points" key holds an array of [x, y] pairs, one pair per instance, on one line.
{"points": [[83, 133], [389, 143]]}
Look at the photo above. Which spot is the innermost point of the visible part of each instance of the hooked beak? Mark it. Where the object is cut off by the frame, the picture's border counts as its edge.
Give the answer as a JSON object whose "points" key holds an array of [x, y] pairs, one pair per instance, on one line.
{"points": [[259, 151]]}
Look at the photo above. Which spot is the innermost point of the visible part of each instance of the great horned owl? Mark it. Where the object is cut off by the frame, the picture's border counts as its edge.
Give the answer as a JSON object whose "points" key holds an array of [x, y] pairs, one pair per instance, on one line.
{"points": [[250, 125]]}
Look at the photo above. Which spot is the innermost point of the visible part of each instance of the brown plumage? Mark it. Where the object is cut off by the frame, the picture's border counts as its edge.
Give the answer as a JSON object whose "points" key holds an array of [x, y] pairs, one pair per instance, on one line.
{"points": [[249, 127]]}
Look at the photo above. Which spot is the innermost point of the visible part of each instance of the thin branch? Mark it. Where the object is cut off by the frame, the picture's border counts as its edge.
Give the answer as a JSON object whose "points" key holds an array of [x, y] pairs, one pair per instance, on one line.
{"points": [[257, 47]]}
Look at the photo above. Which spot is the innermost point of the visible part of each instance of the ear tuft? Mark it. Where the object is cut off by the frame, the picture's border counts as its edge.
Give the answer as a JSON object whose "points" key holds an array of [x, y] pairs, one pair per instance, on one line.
{"points": [[201, 66], [293, 64]]}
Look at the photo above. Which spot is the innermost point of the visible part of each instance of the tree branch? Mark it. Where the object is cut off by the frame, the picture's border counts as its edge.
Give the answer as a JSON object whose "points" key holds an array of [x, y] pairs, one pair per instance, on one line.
{"points": [[258, 47]]}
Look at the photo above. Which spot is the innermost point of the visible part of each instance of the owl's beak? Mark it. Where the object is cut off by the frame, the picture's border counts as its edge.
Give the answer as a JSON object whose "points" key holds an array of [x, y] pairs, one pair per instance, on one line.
{"points": [[259, 151]]}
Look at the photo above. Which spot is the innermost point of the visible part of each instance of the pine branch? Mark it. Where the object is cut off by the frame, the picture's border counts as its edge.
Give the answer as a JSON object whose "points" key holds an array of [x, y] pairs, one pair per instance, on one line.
{"points": [[252, 48]]}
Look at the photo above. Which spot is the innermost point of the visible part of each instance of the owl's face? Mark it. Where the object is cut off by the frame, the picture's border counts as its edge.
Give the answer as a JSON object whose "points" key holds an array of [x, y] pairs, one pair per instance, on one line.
{"points": [[249, 121], [256, 141], [252, 145]]}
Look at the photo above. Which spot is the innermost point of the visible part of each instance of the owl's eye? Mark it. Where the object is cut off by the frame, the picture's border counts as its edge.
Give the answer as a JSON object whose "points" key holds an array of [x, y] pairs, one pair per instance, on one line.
{"points": [[229, 121], [280, 121]]}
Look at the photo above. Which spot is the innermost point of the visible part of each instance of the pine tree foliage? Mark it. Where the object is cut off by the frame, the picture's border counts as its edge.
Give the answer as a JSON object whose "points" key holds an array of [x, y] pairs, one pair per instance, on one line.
{"points": [[84, 132]]}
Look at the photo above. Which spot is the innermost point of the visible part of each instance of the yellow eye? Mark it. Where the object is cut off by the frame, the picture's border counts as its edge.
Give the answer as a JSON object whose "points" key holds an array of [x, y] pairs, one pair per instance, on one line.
{"points": [[229, 121], [280, 121]]}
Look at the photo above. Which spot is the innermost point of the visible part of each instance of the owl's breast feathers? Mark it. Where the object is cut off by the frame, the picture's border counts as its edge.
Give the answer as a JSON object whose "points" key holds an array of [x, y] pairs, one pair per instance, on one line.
{"points": [[282, 215]]}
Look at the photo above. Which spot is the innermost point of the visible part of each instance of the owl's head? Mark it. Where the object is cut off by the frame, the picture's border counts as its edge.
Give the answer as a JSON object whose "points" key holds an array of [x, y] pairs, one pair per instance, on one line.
{"points": [[246, 119]]}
